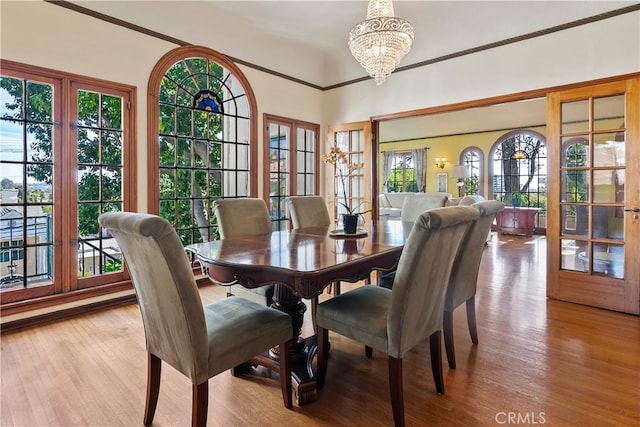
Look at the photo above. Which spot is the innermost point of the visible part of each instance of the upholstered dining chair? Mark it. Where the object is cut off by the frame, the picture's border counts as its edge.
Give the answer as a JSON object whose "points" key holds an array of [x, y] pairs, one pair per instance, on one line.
{"points": [[464, 276], [308, 211], [412, 208], [245, 217], [470, 200], [415, 204], [395, 321], [198, 341]]}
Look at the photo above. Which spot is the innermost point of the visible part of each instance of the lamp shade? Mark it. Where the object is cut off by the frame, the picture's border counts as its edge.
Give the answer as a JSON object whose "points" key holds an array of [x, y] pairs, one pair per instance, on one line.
{"points": [[460, 171]]}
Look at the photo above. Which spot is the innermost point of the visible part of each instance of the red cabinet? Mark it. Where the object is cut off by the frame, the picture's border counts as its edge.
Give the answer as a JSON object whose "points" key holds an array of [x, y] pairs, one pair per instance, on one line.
{"points": [[512, 220]]}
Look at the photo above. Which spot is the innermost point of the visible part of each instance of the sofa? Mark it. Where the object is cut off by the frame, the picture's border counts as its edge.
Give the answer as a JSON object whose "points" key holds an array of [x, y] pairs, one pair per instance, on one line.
{"points": [[391, 203]]}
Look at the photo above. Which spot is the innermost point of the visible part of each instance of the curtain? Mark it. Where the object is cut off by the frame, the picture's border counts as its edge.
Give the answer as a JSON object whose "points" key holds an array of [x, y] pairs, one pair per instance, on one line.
{"points": [[418, 166], [387, 164]]}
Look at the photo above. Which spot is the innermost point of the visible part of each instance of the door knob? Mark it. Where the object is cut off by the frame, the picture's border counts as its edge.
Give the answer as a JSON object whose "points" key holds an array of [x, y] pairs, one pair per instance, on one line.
{"points": [[636, 210]]}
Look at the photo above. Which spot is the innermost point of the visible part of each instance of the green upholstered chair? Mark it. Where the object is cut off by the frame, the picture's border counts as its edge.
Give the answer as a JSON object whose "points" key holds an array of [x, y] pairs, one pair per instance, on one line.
{"points": [[198, 341], [413, 206], [470, 200], [245, 217], [464, 276], [308, 211], [395, 321]]}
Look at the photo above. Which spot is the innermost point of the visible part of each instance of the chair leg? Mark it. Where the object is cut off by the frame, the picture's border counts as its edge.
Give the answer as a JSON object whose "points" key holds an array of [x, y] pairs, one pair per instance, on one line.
{"points": [[395, 387], [323, 355], [285, 372], [471, 319], [447, 328], [200, 403], [436, 360], [154, 368], [337, 290]]}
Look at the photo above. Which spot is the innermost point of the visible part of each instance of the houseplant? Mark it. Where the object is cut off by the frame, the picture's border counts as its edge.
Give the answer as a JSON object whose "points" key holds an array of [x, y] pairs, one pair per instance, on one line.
{"points": [[344, 169]]}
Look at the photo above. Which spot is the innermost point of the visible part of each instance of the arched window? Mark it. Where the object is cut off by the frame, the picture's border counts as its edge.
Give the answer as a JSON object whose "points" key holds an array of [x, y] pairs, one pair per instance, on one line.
{"points": [[473, 159], [519, 171], [202, 139]]}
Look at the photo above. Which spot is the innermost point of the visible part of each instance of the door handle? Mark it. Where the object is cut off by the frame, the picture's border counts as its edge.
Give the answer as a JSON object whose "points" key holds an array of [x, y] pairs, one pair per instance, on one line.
{"points": [[636, 210]]}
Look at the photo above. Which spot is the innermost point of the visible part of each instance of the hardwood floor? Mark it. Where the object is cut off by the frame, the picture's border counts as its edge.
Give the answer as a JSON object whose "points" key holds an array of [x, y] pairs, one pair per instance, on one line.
{"points": [[538, 362]]}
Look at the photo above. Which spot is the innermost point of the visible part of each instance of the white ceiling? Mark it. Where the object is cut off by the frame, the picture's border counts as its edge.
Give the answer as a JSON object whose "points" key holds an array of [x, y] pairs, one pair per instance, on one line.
{"points": [[308, 35], [307, 40]]}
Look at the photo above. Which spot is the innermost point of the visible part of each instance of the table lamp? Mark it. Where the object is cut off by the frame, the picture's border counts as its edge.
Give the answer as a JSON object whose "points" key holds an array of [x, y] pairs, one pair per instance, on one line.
{"points": [[461, 172]]}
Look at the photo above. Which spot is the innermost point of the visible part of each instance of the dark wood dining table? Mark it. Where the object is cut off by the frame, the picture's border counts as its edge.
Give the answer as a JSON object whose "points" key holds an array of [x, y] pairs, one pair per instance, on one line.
{"points": [[301, 263]]}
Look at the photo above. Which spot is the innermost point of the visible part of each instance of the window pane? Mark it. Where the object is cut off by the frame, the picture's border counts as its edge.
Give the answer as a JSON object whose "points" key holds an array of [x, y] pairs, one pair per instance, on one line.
{"points": [[575, 152], [575, 116], [574, 255], [39, 140], [608, 112], [39, 102], [11, 98], [111, 112]]}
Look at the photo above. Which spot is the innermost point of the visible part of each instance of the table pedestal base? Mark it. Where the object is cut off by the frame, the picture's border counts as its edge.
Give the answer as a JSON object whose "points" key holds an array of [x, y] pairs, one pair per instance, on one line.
{"points": [[303, 379]]}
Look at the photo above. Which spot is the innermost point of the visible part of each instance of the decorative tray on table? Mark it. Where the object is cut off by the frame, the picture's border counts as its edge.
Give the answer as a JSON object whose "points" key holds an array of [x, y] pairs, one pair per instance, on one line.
{"points": [[360, 232]]}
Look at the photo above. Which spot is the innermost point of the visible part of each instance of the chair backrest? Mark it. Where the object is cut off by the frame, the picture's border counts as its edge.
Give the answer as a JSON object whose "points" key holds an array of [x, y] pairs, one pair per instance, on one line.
{"points": [[242, 217], [308, 211], [172, 312], [470, 200], [417, 299], [416, 204], [464, 276]]}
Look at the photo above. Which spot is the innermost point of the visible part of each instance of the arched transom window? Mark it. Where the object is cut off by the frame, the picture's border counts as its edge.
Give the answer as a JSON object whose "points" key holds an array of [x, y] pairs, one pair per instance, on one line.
{"points": [[203, 145]]}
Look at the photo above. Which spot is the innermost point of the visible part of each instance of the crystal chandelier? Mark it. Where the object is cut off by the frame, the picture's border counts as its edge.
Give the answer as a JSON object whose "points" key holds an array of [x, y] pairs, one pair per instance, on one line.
{"points": [[380, 41]]}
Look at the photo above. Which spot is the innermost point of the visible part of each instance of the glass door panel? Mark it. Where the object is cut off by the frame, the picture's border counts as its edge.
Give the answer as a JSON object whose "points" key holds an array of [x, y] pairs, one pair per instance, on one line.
{"points": [[28, 136], [290, 163], [99, 177], [279, 173], [594, 255], [356, 191]]}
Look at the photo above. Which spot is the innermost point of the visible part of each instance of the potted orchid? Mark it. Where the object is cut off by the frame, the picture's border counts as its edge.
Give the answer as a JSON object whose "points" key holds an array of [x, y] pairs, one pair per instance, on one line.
{"points": [[343, 170]]}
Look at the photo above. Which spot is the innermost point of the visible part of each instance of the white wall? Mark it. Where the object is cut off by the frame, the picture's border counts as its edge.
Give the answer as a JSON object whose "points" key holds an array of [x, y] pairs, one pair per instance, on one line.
{"points": [[42, 34], [601, 49], [46, 35]]}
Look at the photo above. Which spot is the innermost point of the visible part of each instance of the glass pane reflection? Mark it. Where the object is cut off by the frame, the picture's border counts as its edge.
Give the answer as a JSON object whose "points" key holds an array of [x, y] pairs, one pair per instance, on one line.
{"points": [[607, 151], [574, 220], [608, 112], [574, 255], [608, 260], [608, 222], [575, 152], [575, 116]]}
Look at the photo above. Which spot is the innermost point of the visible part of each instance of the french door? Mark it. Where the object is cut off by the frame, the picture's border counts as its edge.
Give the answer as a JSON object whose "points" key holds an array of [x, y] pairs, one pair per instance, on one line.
{"points": [[594, 195], [291, 164], [66, 156], [355, 140]]}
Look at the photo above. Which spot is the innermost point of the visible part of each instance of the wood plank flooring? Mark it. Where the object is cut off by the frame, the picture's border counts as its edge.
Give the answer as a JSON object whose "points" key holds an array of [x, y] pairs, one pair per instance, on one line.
{"points": [[539, 362]]}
